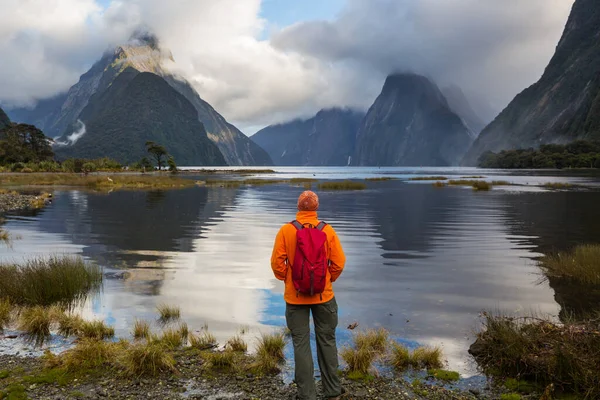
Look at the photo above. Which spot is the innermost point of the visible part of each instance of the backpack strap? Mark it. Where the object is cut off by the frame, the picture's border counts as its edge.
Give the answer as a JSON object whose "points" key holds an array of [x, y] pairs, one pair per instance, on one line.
{"points": [[297, 225], [321, 225]]}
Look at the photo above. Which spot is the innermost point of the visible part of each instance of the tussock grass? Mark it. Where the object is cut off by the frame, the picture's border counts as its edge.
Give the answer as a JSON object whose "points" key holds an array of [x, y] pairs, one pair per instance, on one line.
{"points": [[5, 313], [141, 329], [428, 178], [171, 338], [184, 331], [501, 183], [100, 182], [359, 361], [303, 180], [69, 324], [90, 353], [557, 185], [380, 179], [220, 360], [45, 281], [272, 345], [203, 341], [168, 313], [582, 264], [439, 184], [463, 182], [262, 182], [537, 350], [473, 177], [97, 330], [237, 344], [482, 186], [147, 359], [375, 340], [344, 185], [35, 322], [421, 358]]}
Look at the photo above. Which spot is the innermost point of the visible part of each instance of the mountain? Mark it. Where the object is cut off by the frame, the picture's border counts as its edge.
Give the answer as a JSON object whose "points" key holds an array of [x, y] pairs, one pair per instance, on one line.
{"points": [[4, 120], [327, 139], [411, 124], [564, 105], [462, 107], [60, 116], [140, 107]]}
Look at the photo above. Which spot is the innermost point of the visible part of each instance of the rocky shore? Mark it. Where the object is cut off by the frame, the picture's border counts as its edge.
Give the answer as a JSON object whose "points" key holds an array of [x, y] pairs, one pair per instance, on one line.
{"points": [[26, 377], [14, 201]]}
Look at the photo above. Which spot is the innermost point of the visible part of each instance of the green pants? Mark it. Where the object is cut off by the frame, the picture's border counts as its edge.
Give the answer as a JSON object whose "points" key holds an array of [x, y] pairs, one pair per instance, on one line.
{"points": [[325, 317]]}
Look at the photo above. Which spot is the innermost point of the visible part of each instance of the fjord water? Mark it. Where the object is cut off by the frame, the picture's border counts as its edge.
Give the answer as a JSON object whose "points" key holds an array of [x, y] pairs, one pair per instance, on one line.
{"points": [[423, 262]]}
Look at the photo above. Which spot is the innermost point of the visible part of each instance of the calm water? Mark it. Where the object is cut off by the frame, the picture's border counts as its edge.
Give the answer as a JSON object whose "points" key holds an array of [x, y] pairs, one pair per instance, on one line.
{"points": [[422, 262]]}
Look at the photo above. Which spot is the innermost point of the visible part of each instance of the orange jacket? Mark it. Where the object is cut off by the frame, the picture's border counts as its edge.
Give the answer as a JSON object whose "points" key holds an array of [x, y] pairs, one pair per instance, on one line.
{"points": [[285, 249]]}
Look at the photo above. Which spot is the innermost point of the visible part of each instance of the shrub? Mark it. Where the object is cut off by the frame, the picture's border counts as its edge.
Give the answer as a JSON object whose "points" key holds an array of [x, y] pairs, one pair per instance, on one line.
{"points": [[147, 359], [45, 281], [540, 351]]}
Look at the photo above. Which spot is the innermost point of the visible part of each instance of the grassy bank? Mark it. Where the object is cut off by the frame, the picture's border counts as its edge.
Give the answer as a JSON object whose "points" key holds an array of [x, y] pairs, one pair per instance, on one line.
{"points": [[98, 182], [582, 265], [343, 185], [46, 281], [538, 352]]}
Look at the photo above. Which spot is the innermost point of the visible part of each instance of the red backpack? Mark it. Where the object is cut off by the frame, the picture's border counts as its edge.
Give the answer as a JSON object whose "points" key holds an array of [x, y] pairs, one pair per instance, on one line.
{"points": [[309, 270]]}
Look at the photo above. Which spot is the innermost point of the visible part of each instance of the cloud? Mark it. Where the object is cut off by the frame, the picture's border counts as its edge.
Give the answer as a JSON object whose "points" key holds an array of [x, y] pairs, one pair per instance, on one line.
{"points": [[490, 48], [73, 137], [493, 49]]}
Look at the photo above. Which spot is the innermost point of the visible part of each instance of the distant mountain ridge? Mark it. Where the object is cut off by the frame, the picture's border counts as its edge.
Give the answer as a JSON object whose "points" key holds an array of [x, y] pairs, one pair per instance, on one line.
{"points": [[459, 103], [411, 124], [60, 116], [327, 139], [564, 105], [4, 120]]}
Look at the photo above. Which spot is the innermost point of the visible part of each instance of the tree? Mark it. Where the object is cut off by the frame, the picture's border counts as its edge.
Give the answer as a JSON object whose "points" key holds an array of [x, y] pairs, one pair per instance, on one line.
{"points": [[24, 143], [172, 165], [158, 152]]}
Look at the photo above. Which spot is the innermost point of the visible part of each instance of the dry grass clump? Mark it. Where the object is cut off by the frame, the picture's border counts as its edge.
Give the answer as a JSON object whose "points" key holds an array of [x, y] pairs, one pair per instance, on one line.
{"points": [[69, 324], [171, 338], [46, 281], [91, 353], [147, 359], [359, 361], [220, 360], [482, 186], [112, 181], [272, 345], [344, 185], [439, 184], [203, 341], [558, 185], [428, 178], [421, 358], [168, 313], [5, 313], [375, 340], [380, 179], [237, 344], [97, 330], [537, 350], [141, 329], [35, 322], [582, 264]]}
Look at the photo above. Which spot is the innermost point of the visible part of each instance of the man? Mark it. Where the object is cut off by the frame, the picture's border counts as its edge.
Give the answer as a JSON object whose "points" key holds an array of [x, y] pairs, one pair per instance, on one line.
{"points": [[309, 243]]}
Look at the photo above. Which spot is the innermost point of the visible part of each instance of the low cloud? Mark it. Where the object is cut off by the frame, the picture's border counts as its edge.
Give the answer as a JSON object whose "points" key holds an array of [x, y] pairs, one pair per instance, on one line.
{"points": [[492, 49], [73, 137]]}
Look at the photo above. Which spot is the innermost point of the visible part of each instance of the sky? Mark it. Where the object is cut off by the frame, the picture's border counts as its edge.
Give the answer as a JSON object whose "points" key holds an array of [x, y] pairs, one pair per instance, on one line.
{"points": [[263, 62]]}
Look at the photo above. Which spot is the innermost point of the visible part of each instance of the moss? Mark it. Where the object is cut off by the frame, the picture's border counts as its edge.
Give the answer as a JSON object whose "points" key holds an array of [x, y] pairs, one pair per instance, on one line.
{"points": [[444, 375], [57, 376], [521, 386], [4, 374], [360, 377], [510, 396], [13, 392]]}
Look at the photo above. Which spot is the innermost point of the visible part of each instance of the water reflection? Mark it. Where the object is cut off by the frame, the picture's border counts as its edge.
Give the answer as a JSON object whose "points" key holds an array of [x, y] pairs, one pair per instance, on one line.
{"points": [[422, 262]]}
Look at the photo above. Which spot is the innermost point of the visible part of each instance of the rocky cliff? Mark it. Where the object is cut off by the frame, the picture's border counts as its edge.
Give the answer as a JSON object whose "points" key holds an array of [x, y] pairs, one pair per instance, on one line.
{"points": [[327, 139], [4, 120], [411, 124], [564, 104], [60, 116]]}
